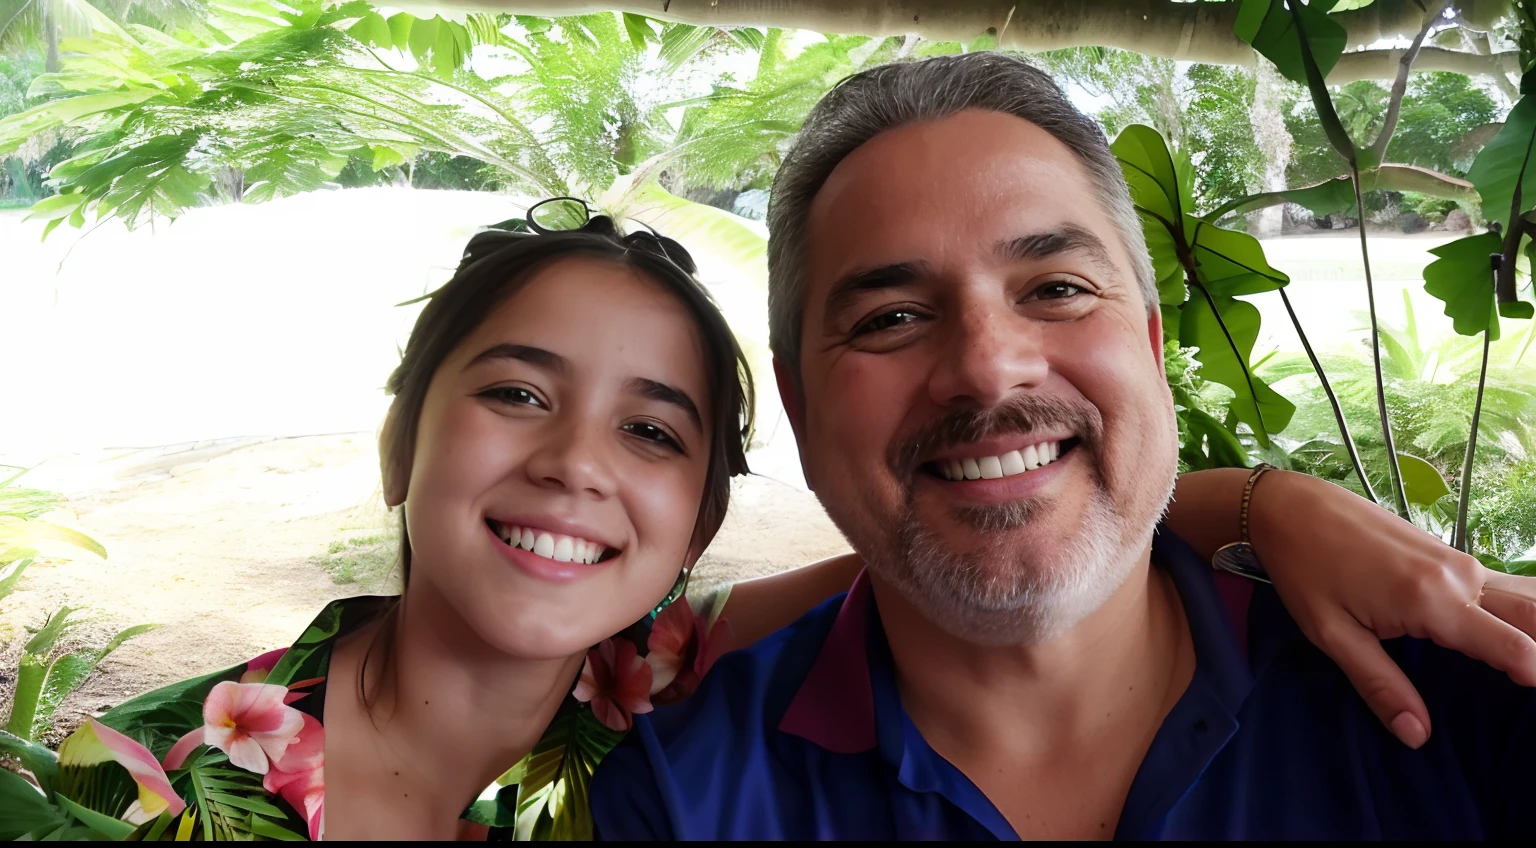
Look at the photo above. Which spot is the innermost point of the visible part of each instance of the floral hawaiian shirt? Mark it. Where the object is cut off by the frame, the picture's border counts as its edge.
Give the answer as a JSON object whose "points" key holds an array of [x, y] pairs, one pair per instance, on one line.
{"points": [[239, 753]]}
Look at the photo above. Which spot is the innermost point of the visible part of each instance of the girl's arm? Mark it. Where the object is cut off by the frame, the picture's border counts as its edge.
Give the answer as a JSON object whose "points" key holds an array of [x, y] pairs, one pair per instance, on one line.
{"points": [[1349, 572]]}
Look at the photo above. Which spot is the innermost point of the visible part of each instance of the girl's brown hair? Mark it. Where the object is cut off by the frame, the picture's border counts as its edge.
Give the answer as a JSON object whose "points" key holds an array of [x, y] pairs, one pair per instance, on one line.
{"points": [[495, 265]]}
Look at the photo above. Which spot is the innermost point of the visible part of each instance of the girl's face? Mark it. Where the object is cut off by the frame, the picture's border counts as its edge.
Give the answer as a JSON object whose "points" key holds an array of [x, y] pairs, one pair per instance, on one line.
{"points": [[560, 461]]}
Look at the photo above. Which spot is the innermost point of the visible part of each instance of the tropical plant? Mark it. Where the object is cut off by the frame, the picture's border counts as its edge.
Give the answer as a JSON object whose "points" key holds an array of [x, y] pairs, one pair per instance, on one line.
{"points": [[23, 533], [1304, 43], [46, 676], [1432, 389]]}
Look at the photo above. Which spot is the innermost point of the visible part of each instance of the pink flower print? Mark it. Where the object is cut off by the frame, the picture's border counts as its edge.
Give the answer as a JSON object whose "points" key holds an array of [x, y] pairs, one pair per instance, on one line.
{"points": [[682, 648], [258, 668], [251, 723], [299, 775], [95, 743], [616, 680]]}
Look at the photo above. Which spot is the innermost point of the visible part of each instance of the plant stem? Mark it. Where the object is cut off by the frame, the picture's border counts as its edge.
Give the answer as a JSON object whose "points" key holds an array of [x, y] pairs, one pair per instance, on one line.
{"points": [[1333, 400], [1459, 536], [1399, 495]]}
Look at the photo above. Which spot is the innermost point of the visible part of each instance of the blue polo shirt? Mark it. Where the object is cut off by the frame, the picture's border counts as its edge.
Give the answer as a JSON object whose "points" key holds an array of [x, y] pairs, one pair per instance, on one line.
{"points": [[803, 736]]}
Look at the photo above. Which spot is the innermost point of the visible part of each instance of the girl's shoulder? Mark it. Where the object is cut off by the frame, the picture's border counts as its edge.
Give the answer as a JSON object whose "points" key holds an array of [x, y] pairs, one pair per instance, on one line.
{"points": [[160, 716], [235, 754]]}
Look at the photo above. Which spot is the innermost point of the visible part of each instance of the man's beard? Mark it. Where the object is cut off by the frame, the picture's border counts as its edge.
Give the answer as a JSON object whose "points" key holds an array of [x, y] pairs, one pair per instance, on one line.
{"points": [[989, 594]]}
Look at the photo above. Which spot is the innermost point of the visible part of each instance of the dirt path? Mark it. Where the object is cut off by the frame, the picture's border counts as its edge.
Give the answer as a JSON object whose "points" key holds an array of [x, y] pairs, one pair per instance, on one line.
{"points": [[225, 546]]}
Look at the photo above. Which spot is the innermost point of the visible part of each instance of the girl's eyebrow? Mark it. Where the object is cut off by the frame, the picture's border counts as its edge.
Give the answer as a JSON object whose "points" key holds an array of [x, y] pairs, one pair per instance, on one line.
{"points": [[536, 356], [652, 390]]}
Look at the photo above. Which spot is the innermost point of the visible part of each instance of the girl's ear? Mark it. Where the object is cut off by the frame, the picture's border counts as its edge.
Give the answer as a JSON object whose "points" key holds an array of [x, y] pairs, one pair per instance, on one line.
{"points": [[394, 458]]}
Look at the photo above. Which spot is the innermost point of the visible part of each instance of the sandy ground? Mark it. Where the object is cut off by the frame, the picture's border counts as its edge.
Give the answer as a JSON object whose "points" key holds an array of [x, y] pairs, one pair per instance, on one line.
{"points": [[221, 544]]}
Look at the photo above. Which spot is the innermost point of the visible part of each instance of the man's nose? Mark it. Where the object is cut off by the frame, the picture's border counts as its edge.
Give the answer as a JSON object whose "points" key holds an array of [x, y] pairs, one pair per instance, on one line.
{"points": [[573, 458], [988, 353]]}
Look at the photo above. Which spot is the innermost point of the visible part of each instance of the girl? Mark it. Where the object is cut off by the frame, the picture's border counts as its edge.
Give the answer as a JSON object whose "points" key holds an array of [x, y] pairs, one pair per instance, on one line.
{"points": [[567, 416]]}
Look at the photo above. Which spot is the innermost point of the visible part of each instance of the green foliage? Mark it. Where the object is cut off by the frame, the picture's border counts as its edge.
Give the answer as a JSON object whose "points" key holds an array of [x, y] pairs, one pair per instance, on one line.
{"points": [[555, 778], [1201, 271], [1292, 33], [1462, 276], [47, 676], [735, 136], [1430, 388], [1219, 135]]}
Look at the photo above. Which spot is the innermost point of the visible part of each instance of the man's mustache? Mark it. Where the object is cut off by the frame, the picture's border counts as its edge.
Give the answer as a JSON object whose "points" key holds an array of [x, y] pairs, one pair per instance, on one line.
{"points": [[1020, 414]]}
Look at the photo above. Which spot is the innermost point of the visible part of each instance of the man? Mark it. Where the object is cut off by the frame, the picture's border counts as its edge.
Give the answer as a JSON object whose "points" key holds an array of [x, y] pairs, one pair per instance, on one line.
{"points": [[966, 334]]}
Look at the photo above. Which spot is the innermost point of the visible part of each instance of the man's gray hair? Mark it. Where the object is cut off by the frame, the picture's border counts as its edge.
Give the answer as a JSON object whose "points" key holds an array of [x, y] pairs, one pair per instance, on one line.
{"points": [[883, 98]]}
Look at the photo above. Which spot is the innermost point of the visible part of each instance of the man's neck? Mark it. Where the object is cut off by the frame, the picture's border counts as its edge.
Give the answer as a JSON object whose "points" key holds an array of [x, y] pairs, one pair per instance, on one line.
{"points": [[1052, 732]]}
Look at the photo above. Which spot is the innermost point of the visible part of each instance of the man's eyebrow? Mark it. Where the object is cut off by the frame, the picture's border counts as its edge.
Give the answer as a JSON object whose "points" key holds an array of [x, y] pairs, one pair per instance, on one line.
{"points": [[1068, 238], [657, 391], [873, 279], [536, 356]]}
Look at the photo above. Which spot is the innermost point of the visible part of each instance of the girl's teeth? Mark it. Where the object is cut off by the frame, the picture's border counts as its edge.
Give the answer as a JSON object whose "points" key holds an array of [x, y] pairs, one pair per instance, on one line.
{"points": [[551, 546], [995, 467]]}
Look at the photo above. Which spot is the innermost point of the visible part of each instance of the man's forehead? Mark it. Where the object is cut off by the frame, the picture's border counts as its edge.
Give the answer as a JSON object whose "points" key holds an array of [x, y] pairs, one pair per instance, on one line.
{"points": [[963, 183]]}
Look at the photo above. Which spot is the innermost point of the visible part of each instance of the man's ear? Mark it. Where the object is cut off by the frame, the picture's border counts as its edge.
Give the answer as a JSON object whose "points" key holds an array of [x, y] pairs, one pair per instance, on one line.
{"points": [[792, 396], [394, 464], [1155, 335]]}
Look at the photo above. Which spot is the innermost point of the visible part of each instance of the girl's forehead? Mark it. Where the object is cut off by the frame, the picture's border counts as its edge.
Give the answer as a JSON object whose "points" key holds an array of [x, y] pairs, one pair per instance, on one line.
{"points": [[602, 318]]}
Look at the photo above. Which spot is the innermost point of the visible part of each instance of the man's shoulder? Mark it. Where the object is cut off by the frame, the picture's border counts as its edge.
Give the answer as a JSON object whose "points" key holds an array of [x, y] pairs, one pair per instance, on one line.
{"points": [[747, 691], [667, 779]]}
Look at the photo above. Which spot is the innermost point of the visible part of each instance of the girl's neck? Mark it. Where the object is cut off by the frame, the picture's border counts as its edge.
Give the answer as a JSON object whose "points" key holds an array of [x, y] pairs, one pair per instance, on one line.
{"points": [[450, 713]]}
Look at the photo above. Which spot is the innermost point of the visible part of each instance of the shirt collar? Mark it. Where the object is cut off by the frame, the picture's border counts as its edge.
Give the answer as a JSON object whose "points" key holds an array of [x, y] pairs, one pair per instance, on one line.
{"points": [[834, 708]]}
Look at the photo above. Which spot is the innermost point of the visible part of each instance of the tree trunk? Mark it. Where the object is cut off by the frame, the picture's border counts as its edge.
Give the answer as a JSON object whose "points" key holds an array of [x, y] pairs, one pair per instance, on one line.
{"points": [[1189, 32], [1274, 142], [51, 36]]}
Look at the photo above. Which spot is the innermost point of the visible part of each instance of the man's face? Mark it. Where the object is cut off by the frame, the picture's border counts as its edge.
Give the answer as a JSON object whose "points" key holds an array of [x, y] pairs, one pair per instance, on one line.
{"points": [[971, 316]]}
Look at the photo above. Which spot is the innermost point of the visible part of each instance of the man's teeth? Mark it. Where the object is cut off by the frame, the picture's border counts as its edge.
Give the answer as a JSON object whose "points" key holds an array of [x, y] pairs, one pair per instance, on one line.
{"points": [[995, 467], [550, 545]]}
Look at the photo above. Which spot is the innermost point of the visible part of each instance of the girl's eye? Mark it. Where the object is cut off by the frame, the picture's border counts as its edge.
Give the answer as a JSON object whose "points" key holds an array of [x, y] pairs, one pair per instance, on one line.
{"points": [[651, 433], [886, 321], [515, 395]]}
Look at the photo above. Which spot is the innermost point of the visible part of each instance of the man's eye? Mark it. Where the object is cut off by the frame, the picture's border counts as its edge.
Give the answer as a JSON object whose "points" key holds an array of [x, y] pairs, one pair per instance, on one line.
{"points": [[886, 321], [515, 395], [651, 433], [1058, 291]]}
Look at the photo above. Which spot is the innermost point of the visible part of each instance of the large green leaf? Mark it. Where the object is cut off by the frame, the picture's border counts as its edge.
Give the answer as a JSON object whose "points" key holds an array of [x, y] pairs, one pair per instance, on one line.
{"points": [[552, 799], [1504, 163], [1462, 276], [1268, 25], [43, 763], [1271, 28], [1229, 262], [106, 827], [44, 536], [1224, 330], [26, 809], [1201, 268], [1421, 480]]}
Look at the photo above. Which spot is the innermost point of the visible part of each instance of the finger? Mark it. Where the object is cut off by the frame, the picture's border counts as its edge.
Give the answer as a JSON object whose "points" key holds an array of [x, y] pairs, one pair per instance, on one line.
{"points": [[1483, 635], [1513, 599], [1386, 690]]}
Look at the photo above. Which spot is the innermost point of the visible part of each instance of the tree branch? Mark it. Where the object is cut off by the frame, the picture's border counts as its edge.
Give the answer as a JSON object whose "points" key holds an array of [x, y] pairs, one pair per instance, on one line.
{"points": [[1186, 31], [1378, 149], [1384, 178], [1383, 64]]}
